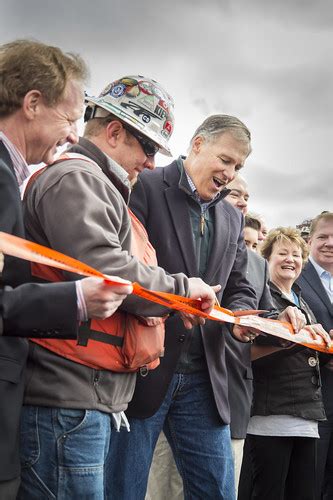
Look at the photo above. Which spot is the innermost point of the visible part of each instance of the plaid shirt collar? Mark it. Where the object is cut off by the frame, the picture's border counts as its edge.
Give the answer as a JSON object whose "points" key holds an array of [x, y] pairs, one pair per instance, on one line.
{"points": [[204, 205]]}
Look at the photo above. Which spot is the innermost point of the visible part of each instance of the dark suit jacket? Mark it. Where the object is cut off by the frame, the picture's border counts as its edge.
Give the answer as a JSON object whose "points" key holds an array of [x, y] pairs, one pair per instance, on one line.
{"points": [[162, 207], [238, 355], [316, 297], [41, 310]]}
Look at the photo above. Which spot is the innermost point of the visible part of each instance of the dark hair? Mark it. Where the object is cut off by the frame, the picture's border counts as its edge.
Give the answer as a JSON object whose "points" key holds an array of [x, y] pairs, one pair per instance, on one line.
{"points": [[252, 222]]}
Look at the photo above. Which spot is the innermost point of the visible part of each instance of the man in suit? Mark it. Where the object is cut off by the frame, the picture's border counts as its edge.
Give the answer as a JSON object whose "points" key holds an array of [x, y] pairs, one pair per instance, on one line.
{"points": [[195, 231], [164, 480], [238, 356], [316, 282], [41, 97]]}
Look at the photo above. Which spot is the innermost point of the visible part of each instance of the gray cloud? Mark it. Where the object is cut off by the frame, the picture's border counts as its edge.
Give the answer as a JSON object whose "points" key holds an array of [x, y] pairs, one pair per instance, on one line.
{"points": [[265, 61], [296, 12]]}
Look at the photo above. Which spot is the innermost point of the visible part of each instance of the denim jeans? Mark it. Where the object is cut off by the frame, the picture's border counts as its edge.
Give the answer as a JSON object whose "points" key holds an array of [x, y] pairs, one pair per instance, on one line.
{"points": [[200, 443], [63, 453]]}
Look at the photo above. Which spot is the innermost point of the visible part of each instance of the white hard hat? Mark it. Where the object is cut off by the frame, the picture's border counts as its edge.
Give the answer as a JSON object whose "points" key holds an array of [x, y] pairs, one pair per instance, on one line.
{"points": [[143, 104]]}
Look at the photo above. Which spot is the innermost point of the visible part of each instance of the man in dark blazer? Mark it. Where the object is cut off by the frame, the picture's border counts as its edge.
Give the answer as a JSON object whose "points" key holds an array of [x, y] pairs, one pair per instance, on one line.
{"points": [[34, 119], [238, 356], [316, 282], [194, 231], [238, 360]]}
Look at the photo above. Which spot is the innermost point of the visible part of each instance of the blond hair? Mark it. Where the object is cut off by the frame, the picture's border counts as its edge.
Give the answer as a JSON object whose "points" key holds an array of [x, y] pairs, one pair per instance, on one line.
{"points": [[287, 235]]}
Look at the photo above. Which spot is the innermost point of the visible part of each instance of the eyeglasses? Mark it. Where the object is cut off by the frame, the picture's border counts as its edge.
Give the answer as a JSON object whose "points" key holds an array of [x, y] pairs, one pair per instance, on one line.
{"points": [[149, 147]]}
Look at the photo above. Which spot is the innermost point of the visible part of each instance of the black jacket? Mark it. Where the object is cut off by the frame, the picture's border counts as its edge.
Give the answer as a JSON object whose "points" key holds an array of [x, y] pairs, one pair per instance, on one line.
{"points": [[38, 310], [317, 298], [238, 354], [288, 381]]}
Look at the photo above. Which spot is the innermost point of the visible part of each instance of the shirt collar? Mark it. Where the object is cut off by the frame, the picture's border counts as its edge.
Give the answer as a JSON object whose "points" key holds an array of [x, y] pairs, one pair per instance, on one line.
{"points": [[19, 163], [191, 183], [118, 170], [193, 190], [320, 270]]}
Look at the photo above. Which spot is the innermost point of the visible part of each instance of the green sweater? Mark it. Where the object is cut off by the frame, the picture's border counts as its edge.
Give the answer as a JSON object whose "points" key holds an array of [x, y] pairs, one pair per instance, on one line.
{"points": [[202, 216]]}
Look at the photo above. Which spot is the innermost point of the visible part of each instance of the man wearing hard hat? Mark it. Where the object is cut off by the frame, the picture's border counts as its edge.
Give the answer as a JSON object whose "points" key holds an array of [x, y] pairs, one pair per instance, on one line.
{"points": [[80, 208]]}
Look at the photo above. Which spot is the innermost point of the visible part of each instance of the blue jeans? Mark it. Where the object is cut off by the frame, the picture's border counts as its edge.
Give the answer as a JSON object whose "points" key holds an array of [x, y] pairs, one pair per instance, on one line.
{"points": [[200, 443], [63, 453]]}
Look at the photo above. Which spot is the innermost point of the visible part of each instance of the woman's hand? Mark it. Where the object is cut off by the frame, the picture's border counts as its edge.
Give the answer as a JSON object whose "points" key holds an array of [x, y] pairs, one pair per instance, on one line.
{"points": [[318, 330], [294, 316]]}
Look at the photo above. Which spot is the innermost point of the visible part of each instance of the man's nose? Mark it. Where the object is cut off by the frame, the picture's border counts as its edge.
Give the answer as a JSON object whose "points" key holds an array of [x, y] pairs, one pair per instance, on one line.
{"points": [[243, 202], [229, 173], [150, 162]]}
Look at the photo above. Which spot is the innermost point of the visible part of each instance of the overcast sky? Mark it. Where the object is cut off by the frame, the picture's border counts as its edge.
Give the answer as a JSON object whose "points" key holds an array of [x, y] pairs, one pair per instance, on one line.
{"points": [[267, 62]]}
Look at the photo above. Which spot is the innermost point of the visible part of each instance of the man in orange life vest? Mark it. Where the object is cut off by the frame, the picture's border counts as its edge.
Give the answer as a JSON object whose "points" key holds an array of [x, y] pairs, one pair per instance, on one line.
{"points": [[79, 208]]}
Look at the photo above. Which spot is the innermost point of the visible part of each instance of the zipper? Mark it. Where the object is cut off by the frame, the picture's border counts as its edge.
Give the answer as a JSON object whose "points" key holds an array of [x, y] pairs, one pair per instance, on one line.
{"points": [[202, 224]]}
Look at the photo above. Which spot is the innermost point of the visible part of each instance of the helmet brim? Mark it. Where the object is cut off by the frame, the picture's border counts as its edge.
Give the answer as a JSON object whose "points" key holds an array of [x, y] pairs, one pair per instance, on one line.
{"points": [[96, 101]]}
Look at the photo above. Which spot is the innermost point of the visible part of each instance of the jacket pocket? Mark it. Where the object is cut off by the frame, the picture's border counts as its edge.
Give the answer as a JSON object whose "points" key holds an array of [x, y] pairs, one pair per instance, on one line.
{"points": [[10, 370]]}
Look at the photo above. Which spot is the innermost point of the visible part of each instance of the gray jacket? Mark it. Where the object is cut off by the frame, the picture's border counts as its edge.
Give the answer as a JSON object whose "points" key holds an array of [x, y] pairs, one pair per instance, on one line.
{"points": [[80, 209]]}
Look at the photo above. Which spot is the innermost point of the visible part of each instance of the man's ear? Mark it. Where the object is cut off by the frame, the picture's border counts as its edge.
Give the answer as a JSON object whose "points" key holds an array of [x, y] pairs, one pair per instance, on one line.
{"points": [[31, 102], [114, 132], [197, 144]]}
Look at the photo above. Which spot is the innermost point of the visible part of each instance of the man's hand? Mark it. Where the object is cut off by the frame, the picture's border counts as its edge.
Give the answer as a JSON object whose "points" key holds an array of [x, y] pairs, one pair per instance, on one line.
{"points": [[200, 290], [103, 300], [245, 333], [294, 316]]}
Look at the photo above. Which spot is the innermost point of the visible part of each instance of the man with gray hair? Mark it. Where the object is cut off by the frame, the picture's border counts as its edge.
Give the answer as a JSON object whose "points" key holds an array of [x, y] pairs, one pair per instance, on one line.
{"points": [[195, 231]]}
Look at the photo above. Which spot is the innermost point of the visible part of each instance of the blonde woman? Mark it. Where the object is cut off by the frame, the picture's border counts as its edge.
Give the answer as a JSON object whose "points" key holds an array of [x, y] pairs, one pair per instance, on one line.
{"points": [[287, 403]]}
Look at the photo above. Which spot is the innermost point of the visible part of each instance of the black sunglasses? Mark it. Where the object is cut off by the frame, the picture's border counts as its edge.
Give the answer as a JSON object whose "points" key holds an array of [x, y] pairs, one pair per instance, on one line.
{"points": [[149, 147]]}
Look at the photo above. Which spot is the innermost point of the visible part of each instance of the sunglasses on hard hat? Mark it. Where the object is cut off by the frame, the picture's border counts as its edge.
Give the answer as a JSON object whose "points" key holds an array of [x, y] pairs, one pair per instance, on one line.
{"points": [[149, 147]]}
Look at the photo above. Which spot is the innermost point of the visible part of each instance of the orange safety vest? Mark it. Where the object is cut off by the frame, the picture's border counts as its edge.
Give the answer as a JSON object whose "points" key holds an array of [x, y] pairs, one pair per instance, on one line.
{"points": [[122, 342]]}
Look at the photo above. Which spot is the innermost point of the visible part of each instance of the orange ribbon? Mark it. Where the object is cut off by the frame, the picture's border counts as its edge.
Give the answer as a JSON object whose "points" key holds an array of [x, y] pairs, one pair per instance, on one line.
{"points": [[24, 249]]}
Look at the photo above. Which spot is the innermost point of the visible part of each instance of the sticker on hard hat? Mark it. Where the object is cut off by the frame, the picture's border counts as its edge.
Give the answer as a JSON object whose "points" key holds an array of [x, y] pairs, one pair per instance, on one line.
{"points": [[160, 112], [146, 87], [148, 102], [118, 90], [138, 110], [167, 129]]}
